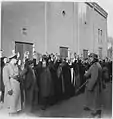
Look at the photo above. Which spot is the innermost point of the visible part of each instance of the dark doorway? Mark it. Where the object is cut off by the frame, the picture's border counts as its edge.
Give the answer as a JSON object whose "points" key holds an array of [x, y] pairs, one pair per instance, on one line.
{"points": [[64, 52], [22, 47], [100, 52], [85, 53]]}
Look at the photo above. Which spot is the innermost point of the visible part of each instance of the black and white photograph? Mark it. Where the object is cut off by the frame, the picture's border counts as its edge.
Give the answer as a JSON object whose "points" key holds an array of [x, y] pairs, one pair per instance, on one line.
{"points": [[56, 59]]}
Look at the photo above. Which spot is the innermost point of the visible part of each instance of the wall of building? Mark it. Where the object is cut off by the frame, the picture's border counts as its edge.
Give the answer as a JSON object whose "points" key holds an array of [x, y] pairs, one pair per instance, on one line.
{"points": [[85, 28], [89, 24], [77, 29], [100, 23], [61, 30], [18, 15]]}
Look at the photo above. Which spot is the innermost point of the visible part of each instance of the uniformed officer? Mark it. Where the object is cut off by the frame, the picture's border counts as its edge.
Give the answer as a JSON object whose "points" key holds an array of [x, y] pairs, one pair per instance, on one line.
{"points": [[12, 96], [94, 86]]}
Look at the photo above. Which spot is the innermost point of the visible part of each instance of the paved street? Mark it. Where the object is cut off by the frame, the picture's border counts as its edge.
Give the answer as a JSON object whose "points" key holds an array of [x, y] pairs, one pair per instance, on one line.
{"points": [[73, 107]]}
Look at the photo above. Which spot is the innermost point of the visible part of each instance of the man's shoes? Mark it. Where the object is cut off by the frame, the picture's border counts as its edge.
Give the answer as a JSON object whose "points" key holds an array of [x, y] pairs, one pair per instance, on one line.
{"points": [[97, 113], [1, 105], [13, 114], [43, 107], [87, 108]]}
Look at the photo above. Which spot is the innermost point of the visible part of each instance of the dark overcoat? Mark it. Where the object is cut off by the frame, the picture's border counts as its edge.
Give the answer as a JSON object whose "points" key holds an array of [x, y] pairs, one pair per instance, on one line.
{"points": [[67, 78], [29, 85], [45, 83]]}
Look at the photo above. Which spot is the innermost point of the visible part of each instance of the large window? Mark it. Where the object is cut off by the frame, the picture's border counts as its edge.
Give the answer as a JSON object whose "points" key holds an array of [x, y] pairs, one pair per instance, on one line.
{"points": [[100, 33], [100, 52]]}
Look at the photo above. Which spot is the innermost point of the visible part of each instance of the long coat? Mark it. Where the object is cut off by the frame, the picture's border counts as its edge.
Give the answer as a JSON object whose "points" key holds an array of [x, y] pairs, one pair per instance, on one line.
{"points": [[12, 103], [29, 85], [67, 78], [45, 83], [1, 79], [75, 66], [54, 77], [94, 86], [60, 79]]}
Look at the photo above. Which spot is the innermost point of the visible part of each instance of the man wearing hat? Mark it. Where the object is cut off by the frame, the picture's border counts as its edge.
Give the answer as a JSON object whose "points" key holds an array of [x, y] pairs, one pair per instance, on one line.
{"points": [[94, 86], [4, 62], [29, 84], [12, 96]]}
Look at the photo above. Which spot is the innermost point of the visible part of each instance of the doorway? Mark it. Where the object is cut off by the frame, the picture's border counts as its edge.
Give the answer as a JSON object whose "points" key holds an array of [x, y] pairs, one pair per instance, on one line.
{"points": [[63, 52], [22, 47], [100, 52], [85, 53]]}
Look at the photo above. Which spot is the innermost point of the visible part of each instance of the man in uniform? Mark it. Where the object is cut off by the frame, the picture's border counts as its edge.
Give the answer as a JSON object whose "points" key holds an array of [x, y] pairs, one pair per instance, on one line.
{"points": [[12, 97], [94, 86]]}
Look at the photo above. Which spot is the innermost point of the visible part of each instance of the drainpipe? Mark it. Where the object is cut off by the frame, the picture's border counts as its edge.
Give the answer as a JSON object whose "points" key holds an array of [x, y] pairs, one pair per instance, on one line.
{"points": [[74, 27], [45, 27], [78, 31], [93, 32]]}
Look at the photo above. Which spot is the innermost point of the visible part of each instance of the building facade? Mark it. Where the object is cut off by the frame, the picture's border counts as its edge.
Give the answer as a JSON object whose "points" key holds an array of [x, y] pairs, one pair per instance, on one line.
{"points": [[54, 26], [110, 48]]}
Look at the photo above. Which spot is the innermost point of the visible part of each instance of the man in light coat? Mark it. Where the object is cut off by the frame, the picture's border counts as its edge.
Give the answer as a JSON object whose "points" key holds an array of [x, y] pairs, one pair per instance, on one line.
{"points": [[12, 96], [94, 86]]}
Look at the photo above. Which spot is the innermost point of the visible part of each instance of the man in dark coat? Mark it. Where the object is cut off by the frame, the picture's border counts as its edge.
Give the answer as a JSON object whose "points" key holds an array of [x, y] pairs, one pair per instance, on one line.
{"points": [[81, 72], [37, 70], [58, 85], [60, 88], [54, 77], [29, 84], [77, 74], [1, 91], [3, 62], [94, 86], [45, 84], [86, 64], [110, 69], [67, 78]]}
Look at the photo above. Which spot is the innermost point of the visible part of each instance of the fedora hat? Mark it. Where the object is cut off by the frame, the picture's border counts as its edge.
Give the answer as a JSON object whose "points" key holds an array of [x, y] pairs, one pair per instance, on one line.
{"points": [[95, 56]]}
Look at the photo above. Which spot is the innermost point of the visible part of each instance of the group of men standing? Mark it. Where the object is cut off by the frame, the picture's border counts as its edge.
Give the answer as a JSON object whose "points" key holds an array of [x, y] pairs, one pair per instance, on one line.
{"points": [[30, 84]]}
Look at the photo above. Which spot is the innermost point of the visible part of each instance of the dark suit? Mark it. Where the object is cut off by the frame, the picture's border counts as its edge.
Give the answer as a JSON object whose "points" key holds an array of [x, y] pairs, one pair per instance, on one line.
{"points": [[1, 79], [67, 79]]}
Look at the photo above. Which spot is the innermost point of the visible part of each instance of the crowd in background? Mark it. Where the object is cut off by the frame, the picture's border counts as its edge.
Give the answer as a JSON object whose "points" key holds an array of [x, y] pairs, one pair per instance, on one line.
{"points": [[50, 79]]}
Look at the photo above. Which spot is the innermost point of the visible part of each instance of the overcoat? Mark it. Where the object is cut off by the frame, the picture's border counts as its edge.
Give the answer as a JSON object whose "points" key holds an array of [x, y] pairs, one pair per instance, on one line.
{"points": [[76, 74], [67, 78], [12, 103], [1, 79], [54, 77], [94, 86], [29, 85], [45, 83]]}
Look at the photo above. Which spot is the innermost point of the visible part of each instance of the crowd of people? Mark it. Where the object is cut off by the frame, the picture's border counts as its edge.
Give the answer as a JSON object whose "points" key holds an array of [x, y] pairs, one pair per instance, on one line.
{"points": [[30, 84]]}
